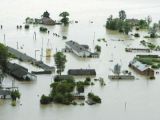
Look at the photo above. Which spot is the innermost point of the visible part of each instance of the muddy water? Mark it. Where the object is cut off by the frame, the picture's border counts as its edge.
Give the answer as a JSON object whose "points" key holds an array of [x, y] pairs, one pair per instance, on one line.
{"points": [[141, 95]]}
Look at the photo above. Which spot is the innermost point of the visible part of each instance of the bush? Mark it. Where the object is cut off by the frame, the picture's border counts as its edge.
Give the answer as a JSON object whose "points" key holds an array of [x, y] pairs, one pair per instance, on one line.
{"points": [[80, 88], [43, 29], [94, 98], [98, 48], [15, 94], [59, 78], [136, 35], [26, 26], [45, 99]]}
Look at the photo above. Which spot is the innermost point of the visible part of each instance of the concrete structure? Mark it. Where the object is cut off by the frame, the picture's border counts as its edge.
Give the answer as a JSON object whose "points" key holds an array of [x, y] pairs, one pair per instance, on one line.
{"points": [[142, 69]]}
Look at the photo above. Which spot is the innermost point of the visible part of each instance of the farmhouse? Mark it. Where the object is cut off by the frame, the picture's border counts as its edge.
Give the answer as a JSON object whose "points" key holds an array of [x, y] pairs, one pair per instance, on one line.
{"points": [[80, 50], [142, 69]]}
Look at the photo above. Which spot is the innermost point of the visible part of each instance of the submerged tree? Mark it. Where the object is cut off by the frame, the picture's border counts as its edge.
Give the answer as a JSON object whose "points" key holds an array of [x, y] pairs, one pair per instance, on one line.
{"points": [[60, 60], [149, 20], [3, 56], [153, 31], [122, 15], [46, 14], [64, 16]]}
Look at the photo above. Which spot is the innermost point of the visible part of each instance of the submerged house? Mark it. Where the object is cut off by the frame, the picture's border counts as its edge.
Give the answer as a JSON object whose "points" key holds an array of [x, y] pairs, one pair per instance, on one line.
{"points": [[80, 50], [142, 69], [19, 72], [48, 21], [77, 72]]}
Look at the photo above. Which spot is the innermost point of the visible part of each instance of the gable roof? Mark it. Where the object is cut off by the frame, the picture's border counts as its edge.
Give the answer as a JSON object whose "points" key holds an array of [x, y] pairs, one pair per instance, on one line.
{"points": [[77, 47]]}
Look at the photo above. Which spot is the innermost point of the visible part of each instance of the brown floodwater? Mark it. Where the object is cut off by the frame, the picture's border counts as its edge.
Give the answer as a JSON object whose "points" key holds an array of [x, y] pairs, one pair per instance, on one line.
{"points": [[141, 96]]}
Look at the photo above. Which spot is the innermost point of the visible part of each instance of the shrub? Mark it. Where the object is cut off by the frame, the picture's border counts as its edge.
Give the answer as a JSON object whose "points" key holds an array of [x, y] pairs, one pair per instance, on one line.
{"points": [[43, 29], [136, 35], [26, 26], [15, 94], [94, 98], [45, 99]]}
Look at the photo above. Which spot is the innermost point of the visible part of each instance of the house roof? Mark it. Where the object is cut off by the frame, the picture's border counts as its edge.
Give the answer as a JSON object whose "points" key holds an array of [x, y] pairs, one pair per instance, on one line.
{"points": [[82, 72], [139, 65], [77, 47], [16, 70]]}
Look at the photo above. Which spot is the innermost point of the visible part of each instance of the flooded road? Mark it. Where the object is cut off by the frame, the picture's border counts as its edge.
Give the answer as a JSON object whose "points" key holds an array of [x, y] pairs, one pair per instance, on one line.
{"points": [[141, 96]]}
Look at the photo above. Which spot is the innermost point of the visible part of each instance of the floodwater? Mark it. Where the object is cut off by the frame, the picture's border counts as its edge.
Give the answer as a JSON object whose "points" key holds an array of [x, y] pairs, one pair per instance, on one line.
{"points": [[141, 96]]}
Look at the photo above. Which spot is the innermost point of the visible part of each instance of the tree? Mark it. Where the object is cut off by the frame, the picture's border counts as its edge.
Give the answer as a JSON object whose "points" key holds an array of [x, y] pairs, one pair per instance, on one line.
{"points": [[64, 16], [46, 14], [122, 15], [153, 30], [3, 56], [149, 20], [15, 94], [60, 60], [98, 48], [127, 28]]}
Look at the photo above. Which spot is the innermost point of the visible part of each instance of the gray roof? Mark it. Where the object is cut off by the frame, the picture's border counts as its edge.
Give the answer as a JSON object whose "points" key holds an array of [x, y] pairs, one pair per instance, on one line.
{"points": [[77, 47], [139, 65]]}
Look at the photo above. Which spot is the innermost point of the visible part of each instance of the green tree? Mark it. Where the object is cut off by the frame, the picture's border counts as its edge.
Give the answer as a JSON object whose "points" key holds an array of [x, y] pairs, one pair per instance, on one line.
{"points": [[3, 56], [15, 94], [122, 15], [149, 20], [60, 60], [46, 14], [153, 31], [64, 16]]}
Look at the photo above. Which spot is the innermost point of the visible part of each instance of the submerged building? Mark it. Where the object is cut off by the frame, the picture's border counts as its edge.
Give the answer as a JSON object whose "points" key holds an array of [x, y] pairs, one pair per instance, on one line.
{"points": [[19, 72], [80, 50], [142, 69]]}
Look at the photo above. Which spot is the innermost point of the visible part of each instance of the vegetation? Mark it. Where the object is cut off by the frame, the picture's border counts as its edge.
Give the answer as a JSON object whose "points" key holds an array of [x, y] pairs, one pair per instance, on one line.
{"points": [[60, 60], [43, 29], [98, 48], [94, 98], [3, 56], [26, 26], [143, 24], [45, 99], [80, 87], [65, 19], [15, 94], [46, 14], [61, 91], [153, 31], [120, 24], [150, 45], [136, 35], [154, 62], [60, 78]]}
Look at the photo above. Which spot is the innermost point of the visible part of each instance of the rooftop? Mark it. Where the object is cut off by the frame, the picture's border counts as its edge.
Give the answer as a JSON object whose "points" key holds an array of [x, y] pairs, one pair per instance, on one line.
{"points": [[139, 65], [77, 47]]}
